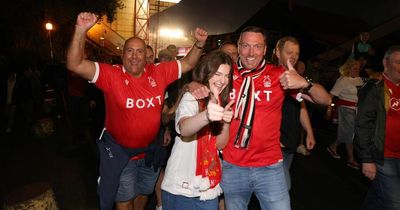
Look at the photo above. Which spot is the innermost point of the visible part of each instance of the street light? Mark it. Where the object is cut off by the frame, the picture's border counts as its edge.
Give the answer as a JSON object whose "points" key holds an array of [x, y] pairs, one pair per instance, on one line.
{"points": [[49, 28]]}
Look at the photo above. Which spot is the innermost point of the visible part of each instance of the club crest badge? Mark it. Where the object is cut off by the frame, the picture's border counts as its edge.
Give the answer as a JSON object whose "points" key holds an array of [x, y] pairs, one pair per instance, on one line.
{"points": [[152, 81], [126, 82], [267, 81]]}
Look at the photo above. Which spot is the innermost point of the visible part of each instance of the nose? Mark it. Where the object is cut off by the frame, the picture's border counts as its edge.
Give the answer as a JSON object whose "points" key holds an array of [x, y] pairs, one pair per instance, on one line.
{"points": [[222, 79], [251, 51]]}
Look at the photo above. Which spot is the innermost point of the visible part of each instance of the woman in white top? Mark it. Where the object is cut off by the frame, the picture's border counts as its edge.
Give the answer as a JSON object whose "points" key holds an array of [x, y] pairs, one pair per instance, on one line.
{"points": [[193, 170], [345, 89]]}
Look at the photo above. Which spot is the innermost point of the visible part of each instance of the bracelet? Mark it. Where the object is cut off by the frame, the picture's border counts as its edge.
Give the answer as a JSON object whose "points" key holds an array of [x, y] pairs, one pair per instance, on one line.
{"points": [[198, 47]]}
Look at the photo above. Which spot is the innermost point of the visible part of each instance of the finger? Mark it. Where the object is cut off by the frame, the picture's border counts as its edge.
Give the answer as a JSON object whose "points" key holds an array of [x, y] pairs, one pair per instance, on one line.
{"points": [[215, 96], [290, 66], [229, 106]]}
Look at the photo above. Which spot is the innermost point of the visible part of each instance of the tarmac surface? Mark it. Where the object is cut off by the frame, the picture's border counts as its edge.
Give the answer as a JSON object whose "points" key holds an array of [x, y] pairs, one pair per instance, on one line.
{"points": [[319, 182]]}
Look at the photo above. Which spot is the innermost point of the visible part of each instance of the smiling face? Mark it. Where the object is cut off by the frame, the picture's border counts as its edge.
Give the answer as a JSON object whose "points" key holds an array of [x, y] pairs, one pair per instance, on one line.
{"points": [[220, 79], [134, 56], [252, 48]]}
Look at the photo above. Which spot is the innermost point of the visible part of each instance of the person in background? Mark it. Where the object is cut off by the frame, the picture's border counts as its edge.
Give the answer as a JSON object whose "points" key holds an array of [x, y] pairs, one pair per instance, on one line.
{"points": [[345, 99], [230, 48], [149, 55], [134, 95], [294, 111], [173, 50], [377, 138]]}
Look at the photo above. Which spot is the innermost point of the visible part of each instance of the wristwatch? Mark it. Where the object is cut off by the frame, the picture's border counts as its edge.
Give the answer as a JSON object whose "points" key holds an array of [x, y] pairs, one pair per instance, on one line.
{"points": [[309, 86]]}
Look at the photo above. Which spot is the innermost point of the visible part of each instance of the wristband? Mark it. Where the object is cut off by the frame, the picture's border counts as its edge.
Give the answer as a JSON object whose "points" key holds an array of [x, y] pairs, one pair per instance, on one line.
{"points": [[198, 47]]}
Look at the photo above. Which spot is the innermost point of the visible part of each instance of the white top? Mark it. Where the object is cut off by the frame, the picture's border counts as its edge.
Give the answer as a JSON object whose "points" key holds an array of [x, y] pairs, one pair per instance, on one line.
{"points": [[346, 88], [179, 178]]}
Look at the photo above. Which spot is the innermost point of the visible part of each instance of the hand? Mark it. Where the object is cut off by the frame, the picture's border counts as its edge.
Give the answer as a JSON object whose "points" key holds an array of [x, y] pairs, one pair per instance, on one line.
{"points": [[290, 79], [198, 90], [167, 138], [310, 142], [86, 20], [200, 35], [369, 170], [214, 110], [228, 113]]}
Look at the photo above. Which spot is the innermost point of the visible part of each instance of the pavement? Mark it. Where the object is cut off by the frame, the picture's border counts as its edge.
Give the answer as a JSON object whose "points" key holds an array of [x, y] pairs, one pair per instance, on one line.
{"points": [[319, 182]]}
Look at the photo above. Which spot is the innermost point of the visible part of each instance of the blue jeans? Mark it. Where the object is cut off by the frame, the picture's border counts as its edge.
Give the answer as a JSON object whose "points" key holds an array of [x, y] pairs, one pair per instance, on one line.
{"points": [[287, 163], [136, 179], [180, 202], [384, 192], [267, 183], [346, 122]]}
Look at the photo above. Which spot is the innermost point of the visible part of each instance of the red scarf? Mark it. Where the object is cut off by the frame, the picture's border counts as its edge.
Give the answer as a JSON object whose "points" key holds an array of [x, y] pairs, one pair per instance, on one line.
{"points": [[245, 104], [208, 164]]}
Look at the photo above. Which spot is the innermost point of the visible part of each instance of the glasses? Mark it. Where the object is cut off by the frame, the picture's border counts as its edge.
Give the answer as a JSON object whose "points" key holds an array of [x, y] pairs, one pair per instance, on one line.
{"points": [[246, 46]]}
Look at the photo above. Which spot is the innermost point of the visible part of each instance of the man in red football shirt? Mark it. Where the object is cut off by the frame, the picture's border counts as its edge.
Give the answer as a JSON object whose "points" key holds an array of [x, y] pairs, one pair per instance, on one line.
{"points": [[134, 95]]}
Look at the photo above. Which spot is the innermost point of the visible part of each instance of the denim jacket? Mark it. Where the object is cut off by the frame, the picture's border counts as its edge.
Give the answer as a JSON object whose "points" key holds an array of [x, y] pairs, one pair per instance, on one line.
{"points": [[370, 122]]}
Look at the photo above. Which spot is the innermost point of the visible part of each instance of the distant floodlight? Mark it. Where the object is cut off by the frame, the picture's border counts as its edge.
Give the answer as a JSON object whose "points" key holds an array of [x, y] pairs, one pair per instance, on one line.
{"points": [[49, 26], [171, 33]]}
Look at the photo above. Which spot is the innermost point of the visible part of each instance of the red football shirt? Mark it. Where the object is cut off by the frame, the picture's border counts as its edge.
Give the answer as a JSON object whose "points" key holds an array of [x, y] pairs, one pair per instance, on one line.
{"points": [[134, 105], [392, 139], [264, 147]]}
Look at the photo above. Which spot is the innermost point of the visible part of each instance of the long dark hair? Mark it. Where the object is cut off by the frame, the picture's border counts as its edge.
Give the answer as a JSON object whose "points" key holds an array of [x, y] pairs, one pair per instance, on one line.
{"points": [[206, 69]]}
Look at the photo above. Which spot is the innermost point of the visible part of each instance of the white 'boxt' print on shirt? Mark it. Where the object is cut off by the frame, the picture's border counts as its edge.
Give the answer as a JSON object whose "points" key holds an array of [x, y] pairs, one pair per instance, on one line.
{"points": [[143, 103], [258, 95]]}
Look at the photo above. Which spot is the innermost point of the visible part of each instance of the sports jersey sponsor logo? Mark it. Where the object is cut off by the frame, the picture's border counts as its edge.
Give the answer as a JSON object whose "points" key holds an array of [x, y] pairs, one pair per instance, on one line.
{"points": [[395, 104], [258, 95], [143, 103]]}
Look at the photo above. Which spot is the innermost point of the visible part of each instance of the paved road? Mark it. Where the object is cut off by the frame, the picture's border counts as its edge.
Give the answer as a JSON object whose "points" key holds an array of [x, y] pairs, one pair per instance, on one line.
{"points": [[319, 182]]}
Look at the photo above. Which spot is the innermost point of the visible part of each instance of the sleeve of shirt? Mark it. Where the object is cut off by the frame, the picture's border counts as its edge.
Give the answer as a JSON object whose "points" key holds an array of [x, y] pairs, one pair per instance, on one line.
{"points": [[187, 107], [338, 87], [170, 70], [102, 76]]}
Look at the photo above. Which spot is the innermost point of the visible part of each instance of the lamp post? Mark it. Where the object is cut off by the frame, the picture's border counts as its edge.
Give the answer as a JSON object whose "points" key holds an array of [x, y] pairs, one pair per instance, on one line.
{"points": [[49, 28]]}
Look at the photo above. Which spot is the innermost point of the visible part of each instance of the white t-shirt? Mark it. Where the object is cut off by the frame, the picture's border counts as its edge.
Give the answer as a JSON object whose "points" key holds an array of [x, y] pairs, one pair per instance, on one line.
{"points": [[345, 88], [180, 178]]}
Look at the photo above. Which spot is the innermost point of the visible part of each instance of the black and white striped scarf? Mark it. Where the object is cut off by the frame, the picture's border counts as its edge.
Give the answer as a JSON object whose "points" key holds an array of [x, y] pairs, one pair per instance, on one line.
{"points": [[245, 104]]}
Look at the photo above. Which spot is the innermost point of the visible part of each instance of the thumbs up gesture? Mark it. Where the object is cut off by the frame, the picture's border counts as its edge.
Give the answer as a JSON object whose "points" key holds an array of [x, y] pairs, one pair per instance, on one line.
{"points": [[228, 113], [290, 79], [214, 110]]}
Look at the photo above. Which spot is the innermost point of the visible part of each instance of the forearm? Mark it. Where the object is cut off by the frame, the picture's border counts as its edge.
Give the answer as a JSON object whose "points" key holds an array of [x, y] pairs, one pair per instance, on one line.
{"points": [[191, 59], [319, 95], [76, 49], [191, 125], [305, 120], [223, 138], [75, 56]]}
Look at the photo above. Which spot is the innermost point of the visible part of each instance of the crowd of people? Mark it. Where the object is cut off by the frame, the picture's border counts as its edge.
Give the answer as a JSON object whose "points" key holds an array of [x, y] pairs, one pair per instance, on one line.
{"points": [[208, 131]]}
